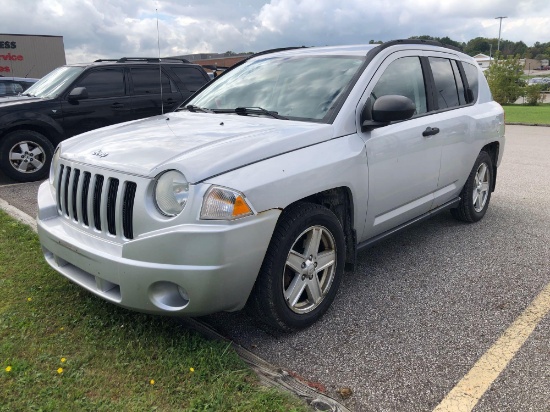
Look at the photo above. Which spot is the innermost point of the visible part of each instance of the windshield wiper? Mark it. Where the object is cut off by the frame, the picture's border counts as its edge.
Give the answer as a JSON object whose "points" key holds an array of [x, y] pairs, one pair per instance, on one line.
{"points": [[258, 110], [193, 108]]}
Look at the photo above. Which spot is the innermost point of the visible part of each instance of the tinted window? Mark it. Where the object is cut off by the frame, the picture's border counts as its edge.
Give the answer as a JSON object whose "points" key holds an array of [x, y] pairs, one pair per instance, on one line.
{"points": [[445, 85], [459, 84], [471, 75], [147, 81], [192, 78], [104, 83], [403, 77]]}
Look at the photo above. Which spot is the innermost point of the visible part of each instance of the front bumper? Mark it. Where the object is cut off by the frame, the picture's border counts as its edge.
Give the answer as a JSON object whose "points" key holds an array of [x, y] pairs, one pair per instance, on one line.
{"points": [[190, 269]]}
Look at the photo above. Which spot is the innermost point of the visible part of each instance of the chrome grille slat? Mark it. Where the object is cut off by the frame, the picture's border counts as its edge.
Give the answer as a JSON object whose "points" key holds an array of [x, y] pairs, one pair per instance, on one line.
{"points": [[98, 202]]}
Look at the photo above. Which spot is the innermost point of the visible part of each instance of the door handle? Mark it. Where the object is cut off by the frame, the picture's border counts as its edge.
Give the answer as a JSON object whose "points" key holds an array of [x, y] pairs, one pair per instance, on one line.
{"points": [[117, 106], [430, 131]]}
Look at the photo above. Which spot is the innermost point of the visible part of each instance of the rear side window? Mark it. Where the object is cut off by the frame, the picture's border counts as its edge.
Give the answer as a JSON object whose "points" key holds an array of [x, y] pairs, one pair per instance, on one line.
{"points": [[403, 77], [471, 75], [147, 81], [192, 78], [104, 83], [445, 85]]}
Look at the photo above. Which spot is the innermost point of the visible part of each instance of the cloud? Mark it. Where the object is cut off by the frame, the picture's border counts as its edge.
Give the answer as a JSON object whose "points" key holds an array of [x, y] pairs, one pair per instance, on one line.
{"points": [[114, 28]]}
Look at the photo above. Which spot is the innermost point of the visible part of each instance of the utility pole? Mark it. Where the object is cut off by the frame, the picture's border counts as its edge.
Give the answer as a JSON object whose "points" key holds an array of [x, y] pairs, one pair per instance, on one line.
{"points": [[499, 29]]}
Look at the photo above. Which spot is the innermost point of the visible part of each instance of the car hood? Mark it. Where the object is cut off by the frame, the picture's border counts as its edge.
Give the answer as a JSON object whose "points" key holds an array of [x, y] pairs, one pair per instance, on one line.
{"points": [[201, 145], [6, 101]]}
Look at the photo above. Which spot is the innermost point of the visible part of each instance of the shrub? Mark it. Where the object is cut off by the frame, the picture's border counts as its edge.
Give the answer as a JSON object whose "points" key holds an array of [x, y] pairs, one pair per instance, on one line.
{"points": [[504, 80]]}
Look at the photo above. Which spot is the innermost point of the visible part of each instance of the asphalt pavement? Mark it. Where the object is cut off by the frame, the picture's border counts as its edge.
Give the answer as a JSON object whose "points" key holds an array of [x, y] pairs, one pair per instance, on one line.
{"points": [[422, 310]]}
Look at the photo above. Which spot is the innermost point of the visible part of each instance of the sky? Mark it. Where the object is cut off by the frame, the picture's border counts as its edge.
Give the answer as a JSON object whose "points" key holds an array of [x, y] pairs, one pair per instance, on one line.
{"points": [[93, 29]]}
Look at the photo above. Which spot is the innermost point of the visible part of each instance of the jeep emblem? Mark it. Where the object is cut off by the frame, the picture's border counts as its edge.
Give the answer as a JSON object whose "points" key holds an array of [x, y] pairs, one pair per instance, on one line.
{"points": [[99, 153]]}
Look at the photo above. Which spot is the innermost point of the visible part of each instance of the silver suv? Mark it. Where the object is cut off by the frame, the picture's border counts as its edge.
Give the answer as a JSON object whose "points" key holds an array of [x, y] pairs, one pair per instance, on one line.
{"points": [[262, 187]]}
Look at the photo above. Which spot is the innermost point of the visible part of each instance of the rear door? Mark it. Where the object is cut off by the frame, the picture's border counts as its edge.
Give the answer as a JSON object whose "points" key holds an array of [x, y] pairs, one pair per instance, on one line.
{"points": [[147, 100]]}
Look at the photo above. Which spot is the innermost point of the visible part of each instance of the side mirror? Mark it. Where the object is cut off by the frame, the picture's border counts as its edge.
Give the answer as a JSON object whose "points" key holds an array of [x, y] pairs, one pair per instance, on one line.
{"points": [[78, 93], [389, 108]]}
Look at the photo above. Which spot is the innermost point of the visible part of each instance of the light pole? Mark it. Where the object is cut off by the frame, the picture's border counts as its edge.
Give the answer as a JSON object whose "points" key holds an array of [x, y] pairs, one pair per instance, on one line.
{"points": [[499, 29]]}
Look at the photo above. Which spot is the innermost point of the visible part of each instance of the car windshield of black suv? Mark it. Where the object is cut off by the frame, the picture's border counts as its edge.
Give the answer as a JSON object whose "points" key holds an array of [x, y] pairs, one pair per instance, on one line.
{"points": [[290, 87], [54, 83]]}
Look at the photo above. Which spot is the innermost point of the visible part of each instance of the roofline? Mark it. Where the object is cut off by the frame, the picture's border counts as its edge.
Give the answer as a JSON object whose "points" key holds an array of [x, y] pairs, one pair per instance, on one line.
{"points": [[30, 35]]}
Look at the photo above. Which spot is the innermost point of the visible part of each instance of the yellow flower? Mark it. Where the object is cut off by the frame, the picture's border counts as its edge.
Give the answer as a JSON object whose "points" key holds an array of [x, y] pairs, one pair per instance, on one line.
{"points": [[152, 382], [61, 328], [8, 369], [63, 360], [29, 299], [191, 370], [60, 370]]}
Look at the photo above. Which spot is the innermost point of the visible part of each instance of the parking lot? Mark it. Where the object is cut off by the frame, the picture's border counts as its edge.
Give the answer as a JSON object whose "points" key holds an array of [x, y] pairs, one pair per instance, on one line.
{"points": [[423, 307]]}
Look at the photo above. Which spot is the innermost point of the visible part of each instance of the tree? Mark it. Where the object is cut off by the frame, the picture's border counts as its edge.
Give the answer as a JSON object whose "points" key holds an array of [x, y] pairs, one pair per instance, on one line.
{"points": [[504, 79]]}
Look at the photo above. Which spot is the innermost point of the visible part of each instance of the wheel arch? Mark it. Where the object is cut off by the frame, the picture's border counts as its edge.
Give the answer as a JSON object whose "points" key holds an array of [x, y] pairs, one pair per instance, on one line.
{"points": [[49, 132], [339, 200], [493, 150]]}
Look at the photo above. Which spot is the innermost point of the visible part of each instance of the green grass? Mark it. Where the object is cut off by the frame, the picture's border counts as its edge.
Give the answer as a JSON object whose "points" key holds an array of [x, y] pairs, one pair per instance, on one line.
{"points": [[517, 113], [109, 356]]}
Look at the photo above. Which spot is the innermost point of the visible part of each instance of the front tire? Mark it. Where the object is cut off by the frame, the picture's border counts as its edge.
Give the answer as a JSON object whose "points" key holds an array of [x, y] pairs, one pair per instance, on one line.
{"points": [[476, 194], [25, 155], [302, 269]]}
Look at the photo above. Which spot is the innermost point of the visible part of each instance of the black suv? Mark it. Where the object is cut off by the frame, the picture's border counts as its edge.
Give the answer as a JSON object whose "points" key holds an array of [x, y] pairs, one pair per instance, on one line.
{"points": [[76, 98]]}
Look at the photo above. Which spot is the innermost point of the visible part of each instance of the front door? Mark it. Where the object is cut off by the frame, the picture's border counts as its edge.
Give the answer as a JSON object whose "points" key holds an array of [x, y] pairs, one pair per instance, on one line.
{"points": [[107, 102], [403, 163]]}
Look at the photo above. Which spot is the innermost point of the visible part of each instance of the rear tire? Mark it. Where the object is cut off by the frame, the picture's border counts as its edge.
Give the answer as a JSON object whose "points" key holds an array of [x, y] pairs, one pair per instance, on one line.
{"points": [[302, 269], [476, 193], [25, 155]]}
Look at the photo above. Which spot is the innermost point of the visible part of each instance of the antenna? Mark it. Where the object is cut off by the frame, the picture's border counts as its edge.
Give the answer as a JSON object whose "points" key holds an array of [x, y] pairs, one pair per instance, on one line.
{"points": [[160, 67]]}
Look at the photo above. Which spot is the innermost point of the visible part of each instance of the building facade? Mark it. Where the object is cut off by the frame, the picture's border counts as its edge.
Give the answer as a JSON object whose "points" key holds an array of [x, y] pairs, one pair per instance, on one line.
{"points": [[24, 55]]}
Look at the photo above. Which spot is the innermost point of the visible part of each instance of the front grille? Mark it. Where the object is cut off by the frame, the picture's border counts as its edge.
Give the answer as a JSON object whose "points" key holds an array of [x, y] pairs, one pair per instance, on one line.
{"points": [[94, 200]]}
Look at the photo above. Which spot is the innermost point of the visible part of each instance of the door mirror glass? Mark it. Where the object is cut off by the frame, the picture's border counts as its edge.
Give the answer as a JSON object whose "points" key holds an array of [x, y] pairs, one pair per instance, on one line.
{"points": [[78, 93]]}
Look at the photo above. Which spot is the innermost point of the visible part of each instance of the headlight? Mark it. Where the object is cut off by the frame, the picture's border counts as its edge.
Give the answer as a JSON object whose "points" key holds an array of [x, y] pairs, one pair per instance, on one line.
{"points": [[220, 203], [54, 165], [171, 192]]}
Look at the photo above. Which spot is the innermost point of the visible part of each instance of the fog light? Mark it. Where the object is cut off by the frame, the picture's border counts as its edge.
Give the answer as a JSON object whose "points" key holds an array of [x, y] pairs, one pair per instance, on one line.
{"points": [[168, 296], [183, 293]]}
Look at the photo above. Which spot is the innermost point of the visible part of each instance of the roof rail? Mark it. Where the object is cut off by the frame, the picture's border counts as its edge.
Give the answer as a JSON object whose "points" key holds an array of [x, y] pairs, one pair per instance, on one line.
{"points": [[143, 59], [418, 41], [373, 52]]}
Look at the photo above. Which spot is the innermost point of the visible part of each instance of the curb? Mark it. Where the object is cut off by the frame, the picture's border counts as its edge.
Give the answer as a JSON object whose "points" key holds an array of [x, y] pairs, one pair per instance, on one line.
{"points": [[526, 124], [268, 374]]}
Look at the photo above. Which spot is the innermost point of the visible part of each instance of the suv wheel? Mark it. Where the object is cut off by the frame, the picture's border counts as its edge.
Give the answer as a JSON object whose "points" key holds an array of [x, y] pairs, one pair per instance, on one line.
{"points": [[476, 194], [25, 155], [302, 268]]}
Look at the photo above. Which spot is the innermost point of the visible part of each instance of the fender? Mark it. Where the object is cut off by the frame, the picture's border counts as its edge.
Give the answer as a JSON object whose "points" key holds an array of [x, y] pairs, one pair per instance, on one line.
{"points": [[45, 124]]}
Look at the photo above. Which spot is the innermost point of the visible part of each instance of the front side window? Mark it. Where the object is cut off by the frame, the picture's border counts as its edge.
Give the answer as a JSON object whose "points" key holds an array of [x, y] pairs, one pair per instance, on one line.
{"points": [[294, 87], [104, 83], [403, 77]]}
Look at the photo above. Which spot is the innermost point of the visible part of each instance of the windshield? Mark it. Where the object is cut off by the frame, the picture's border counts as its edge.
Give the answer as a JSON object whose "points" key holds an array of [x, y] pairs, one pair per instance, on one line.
{"points": [[55, 82], [296, 87]]}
